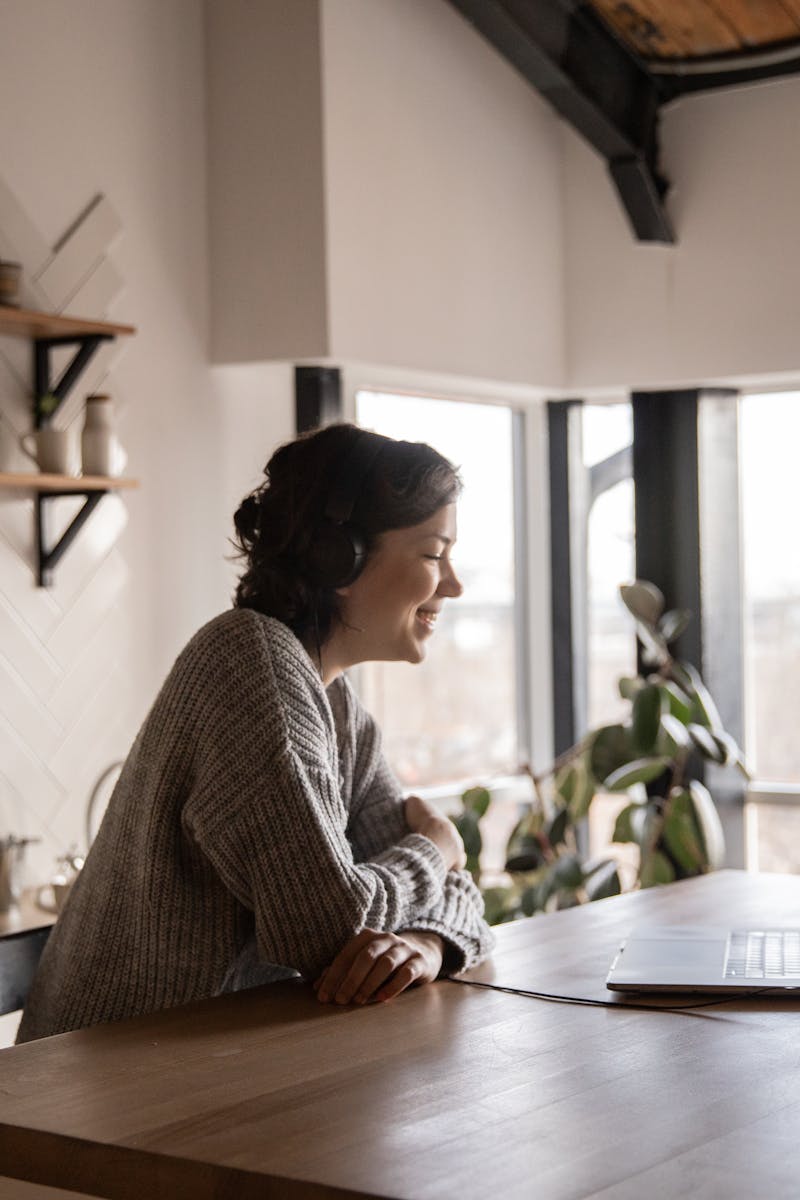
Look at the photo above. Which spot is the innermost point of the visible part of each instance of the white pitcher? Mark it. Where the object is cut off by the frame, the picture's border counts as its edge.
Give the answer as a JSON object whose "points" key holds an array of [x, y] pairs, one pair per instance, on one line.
{"points": [[101, 451]]}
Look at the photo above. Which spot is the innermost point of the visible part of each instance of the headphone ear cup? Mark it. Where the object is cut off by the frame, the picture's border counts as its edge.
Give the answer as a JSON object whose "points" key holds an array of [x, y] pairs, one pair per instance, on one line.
{"points": [[336, 555]]}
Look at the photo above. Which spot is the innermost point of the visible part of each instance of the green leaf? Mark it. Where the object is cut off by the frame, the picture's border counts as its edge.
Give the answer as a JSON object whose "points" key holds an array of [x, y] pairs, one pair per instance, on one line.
{"points": [[656, 868], [557, 829], [646, 718], [643, 600], [624, 824], [704, 710], [500, 905], [524, 848], [673, 623], [674, 740], [467, 825], [476, 800], [610, 748], [681, 833], [641, 770], [709, 824], [603, 881], [629, 685], [705, 742], [567, 872], [654, 648], [678, 702], [531, 901]]}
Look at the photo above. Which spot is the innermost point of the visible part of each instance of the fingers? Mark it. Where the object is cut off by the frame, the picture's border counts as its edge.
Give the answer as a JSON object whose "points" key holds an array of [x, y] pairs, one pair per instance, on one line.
{"points": [[372, 966]]}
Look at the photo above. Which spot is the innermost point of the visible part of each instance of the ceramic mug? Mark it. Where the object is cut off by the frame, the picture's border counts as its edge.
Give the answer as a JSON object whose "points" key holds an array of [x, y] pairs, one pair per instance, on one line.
{"points": [[55, 451], [53, 896]]}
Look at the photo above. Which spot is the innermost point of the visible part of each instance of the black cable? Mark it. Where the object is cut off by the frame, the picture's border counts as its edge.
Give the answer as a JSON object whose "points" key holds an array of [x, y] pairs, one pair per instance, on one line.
{"points": [[619, 1005]]}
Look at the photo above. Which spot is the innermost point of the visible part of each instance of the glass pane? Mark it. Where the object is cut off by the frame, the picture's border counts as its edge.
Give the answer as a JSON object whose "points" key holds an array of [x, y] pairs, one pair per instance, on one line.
{"points": [[770, 434], [773, 837], [453, 717], [607, 429]]}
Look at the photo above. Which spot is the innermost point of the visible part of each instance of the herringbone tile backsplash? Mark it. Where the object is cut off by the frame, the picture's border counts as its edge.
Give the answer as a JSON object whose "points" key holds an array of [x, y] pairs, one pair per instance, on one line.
{"points": [[64, 652]]}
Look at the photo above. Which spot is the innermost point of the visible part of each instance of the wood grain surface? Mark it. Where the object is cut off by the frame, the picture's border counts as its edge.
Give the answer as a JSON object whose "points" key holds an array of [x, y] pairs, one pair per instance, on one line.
{"points": [[447, 1091]]}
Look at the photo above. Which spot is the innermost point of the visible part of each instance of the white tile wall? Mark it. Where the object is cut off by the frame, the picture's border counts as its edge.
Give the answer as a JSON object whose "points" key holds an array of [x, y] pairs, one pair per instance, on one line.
{"points": [[64, 652]]}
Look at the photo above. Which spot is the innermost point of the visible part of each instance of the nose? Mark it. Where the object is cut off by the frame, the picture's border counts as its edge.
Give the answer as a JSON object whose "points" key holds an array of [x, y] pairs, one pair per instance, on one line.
{"points": [[449, 584]]}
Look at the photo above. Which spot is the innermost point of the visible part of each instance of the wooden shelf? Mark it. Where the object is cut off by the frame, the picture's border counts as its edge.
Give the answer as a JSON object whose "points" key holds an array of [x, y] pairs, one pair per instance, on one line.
{"points": [[25, 322], [41, 482]]}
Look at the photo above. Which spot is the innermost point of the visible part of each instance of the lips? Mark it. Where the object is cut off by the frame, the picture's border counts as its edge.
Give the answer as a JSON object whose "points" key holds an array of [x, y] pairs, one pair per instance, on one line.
{"points": [[427, 617]]}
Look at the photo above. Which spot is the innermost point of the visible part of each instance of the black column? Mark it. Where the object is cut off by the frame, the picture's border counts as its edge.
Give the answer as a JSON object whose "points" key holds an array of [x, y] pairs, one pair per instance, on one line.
{"points": [[317, 397], [665, 476]]}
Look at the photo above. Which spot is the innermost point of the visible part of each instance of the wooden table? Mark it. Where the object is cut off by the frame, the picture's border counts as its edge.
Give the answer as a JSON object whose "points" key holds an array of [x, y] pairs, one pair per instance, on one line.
{"points": [[447, 1091]]}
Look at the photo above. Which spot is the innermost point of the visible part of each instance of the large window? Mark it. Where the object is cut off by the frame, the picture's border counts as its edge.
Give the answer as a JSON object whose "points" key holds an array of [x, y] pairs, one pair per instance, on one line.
{"points": [[769, 435], [456, 717]]}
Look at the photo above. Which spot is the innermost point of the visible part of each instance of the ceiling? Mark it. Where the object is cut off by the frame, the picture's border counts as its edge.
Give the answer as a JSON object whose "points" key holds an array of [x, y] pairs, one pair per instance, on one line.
{"points": [[610, 66], [667, 31]]}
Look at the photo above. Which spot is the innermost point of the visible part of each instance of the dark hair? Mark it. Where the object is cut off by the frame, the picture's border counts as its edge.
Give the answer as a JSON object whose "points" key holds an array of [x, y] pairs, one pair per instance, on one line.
{"points": [[406, 483]]}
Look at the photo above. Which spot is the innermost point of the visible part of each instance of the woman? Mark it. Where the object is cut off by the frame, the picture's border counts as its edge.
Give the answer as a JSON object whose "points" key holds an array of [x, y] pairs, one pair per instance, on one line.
{"points": [[256, 830]]}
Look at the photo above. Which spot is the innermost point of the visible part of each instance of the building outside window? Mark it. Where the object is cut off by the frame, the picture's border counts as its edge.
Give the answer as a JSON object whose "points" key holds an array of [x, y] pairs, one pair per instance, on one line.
{"points": [[454, 720]]}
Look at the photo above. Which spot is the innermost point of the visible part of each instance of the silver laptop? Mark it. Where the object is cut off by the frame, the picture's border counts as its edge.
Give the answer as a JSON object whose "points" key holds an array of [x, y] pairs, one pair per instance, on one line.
{"points": [[700, 958]]}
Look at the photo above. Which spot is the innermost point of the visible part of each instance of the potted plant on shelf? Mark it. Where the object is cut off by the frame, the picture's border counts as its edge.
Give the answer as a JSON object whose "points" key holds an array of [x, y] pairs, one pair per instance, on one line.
{"points": [[654, 758]]}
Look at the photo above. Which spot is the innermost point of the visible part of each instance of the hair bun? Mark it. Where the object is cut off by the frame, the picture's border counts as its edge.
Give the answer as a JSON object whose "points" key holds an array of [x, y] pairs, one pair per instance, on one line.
{"points": [[247, 517]]}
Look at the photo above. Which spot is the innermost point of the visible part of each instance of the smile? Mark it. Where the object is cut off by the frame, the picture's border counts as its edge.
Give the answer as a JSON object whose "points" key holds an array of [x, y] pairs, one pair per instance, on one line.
{"points": [[427, 617]]}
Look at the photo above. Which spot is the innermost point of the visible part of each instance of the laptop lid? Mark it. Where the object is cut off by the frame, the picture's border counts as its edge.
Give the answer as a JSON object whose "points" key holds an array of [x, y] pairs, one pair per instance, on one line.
{"points": [[700, 958]]}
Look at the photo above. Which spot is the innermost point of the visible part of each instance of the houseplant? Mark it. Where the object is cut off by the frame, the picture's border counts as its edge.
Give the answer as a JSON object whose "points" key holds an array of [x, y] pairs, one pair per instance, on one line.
{"points": [[654, 758]]}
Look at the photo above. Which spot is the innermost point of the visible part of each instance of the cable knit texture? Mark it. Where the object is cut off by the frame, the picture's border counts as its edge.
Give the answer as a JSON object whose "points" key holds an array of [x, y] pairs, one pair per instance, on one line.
{"points": [[255, 828]]}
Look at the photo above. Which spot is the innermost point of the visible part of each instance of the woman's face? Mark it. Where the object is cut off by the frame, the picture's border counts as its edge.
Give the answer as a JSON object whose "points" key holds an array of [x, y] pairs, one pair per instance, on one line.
{"points": [[390, 612]]}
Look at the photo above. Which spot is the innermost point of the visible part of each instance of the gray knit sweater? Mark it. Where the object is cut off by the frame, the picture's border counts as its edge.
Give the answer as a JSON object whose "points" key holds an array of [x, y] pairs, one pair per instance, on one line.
{"points": [[254, 830]]}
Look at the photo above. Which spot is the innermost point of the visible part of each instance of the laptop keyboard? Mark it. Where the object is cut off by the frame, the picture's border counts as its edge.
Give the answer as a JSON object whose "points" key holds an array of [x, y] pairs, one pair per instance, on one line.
{"points": [[763, 954]]}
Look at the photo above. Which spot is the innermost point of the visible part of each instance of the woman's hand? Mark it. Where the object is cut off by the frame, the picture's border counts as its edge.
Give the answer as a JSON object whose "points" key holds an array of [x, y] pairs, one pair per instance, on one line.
{"points": [[377, 966], [425, 818]]}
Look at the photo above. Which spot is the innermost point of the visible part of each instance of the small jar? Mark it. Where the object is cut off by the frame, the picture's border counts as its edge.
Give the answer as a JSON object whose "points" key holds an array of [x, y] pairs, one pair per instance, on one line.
{"points": [[101, 452], [10, 273]]}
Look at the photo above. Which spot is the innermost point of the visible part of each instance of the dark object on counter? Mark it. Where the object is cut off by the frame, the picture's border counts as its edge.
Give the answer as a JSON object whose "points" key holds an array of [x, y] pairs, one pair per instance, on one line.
{"points": [[10, 273]]}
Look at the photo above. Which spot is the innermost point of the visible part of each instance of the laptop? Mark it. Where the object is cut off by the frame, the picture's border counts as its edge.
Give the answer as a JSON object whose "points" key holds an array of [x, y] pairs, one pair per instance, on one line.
{"points": [[700, 958]]}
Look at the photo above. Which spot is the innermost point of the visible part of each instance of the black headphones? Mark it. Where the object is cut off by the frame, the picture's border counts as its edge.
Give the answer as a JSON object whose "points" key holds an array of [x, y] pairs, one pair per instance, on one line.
{"points": [[337, 551]]}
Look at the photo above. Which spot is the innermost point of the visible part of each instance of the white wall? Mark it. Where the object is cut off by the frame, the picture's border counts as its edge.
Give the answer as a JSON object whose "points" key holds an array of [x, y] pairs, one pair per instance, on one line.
{"points": [[443, 198], [107, 96], [722, 303], [265, 180]]}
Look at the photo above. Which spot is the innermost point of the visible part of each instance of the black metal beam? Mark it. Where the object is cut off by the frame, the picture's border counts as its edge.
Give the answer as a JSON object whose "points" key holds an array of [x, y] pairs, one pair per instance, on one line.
{"points": [[696, 76], [317, 397], [592, 80], [565, 574]]}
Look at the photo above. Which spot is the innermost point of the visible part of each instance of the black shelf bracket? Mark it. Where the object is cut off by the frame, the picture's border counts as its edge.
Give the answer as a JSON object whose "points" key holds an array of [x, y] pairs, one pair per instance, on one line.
{"points": [[47, 559], [87, 345]]}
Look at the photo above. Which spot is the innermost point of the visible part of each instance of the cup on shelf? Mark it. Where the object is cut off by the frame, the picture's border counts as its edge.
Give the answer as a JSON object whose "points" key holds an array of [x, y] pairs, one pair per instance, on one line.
{"points": [[55, 451], [10, 273]]}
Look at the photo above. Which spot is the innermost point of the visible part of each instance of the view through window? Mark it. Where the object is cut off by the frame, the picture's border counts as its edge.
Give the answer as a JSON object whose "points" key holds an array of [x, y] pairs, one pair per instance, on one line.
{"points": [[769, 435], [607, 429], [453, 718]]}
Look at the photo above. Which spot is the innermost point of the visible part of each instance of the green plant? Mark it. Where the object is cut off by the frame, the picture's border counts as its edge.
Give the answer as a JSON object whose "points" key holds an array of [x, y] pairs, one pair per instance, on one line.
{"points": [[654, 757], [47, 404]]}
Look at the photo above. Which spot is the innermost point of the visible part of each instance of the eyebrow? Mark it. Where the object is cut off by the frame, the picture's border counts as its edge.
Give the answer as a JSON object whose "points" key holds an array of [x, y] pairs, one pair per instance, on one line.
{"points": [[440, 537]]}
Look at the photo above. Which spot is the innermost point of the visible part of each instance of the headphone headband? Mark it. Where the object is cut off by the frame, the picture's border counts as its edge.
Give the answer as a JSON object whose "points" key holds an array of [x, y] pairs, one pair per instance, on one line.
{"points": [[349, 478]]}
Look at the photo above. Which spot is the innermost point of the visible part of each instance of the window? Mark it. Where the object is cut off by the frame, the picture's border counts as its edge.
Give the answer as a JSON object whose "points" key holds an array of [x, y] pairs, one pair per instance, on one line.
{"points": [[607, 431], [456, 718], [769, 434]]}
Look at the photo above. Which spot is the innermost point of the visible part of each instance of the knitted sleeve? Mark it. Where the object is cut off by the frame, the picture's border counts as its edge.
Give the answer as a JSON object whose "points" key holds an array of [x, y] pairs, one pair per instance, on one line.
{"points": [[377, 823], [265, 806]]}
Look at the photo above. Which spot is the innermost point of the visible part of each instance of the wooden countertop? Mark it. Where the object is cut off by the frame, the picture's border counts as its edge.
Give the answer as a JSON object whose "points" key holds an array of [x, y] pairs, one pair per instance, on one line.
{"points": [[446, 1091]]}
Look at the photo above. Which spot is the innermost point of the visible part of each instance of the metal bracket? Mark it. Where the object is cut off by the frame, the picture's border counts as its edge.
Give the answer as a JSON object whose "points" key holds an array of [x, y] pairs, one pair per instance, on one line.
{"points": [[42, 377], [586, 74], [47, 559]]}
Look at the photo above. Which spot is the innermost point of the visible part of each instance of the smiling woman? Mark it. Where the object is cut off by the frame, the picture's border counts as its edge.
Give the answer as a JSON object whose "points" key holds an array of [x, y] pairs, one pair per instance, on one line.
{"points": [[256, 831]]}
